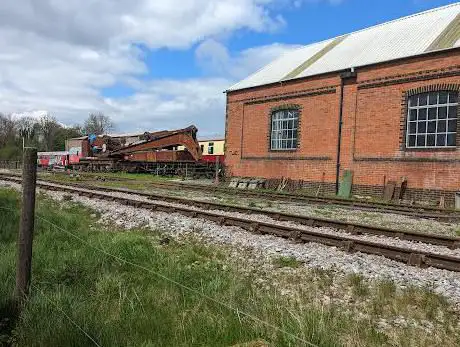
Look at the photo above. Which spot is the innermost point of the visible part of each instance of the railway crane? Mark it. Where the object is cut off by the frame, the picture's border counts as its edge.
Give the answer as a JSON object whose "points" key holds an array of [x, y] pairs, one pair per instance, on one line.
{"points": [[156, 152]]}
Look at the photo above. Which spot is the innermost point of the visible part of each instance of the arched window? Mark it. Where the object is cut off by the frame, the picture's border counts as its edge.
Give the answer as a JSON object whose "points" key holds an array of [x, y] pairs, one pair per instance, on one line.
{"points": [[432, 120], [284, 130]]}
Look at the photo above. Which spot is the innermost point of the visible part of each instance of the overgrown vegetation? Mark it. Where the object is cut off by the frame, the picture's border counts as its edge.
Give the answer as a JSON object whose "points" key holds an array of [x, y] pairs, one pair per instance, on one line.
{"points": [[119, 304], [113, 178]]}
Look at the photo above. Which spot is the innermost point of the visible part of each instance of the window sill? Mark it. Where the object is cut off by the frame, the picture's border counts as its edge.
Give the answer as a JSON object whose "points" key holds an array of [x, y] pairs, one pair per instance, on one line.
{"points": [[444, 149]]}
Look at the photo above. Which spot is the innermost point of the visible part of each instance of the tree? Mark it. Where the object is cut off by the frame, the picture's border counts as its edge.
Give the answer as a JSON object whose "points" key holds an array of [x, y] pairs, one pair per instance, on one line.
{"points": [[7, 130], [48, 129], [98, 124], [26, 128], [10, 142], [45, 133]]}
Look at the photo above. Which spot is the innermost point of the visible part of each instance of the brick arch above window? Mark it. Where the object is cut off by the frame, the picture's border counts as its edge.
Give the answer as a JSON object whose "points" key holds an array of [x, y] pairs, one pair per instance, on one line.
{"points": [[404, 125], [433, 88], [273, 139], [285, 107]]}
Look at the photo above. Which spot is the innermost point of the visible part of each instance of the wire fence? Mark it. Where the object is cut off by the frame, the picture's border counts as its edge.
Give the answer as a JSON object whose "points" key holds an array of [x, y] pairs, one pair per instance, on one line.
{"points": [[57, 308], [235, 310]]}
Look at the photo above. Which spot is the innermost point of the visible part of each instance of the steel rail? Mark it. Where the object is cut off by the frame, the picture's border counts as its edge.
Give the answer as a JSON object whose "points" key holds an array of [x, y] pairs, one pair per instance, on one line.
{"points": [[349, 227], [417, 211], [412, 257]]}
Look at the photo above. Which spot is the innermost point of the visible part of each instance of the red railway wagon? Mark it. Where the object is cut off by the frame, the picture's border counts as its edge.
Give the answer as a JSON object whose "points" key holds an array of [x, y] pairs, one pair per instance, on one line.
{"points": [[51, 159]]}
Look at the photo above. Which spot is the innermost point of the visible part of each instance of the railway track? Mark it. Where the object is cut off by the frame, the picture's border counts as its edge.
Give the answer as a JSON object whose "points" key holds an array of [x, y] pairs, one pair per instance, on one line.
{"points": [[349, 244], [408, 210], [418, 211], [349, 227]]}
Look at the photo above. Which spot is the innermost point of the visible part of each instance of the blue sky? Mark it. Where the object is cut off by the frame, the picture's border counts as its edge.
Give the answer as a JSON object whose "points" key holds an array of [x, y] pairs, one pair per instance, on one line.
{"points": [[311, 22], [160, 65]]}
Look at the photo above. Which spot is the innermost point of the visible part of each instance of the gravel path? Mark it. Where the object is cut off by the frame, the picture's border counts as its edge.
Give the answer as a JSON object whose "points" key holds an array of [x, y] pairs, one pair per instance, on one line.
{"points": [[313, 255]]}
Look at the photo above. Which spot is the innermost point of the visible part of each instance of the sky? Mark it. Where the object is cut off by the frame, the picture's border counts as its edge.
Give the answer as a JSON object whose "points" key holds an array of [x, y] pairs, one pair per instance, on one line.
{"points": [[159, 64]]}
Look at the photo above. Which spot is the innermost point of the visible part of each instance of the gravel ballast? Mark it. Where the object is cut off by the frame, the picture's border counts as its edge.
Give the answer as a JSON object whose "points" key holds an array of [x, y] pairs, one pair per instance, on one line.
{"points": [[383, 219], [416, 246]]}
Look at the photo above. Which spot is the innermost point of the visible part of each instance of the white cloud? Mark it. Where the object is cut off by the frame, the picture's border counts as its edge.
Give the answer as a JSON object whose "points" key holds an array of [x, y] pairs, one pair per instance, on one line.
{"points": [[104, 23], [216, 59], [37, 114], [57, 55], [163, 104]]}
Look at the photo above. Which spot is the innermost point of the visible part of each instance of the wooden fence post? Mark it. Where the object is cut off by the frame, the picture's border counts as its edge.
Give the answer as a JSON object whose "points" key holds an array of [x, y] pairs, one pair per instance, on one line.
{"points": [[26, 224]]}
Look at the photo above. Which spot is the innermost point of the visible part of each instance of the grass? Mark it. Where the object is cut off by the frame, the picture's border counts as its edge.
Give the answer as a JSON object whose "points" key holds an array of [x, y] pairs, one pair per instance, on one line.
{"points": [[141, 182], [114, 179], [286, 262], [116, 176], [358, 285], [118, 304], [121, 305], [324, 212]]}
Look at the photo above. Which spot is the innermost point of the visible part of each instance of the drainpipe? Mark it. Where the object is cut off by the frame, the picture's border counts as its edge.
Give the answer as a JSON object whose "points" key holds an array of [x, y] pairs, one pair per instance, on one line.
{"points": [[343, 76]]}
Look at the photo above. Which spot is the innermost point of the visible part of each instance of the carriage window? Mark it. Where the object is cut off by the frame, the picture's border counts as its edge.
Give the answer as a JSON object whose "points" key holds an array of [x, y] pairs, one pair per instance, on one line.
{"points": [[211, 148], [432, 120], [284, 130]]}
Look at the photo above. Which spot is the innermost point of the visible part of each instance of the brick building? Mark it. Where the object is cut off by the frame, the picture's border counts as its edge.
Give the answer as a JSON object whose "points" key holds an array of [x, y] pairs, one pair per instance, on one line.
{"points": [[393, 88]]}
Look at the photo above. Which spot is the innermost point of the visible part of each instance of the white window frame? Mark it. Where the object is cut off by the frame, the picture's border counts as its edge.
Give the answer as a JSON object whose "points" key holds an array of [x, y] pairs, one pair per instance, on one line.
{"points": [[428, 107], [284, 130]]}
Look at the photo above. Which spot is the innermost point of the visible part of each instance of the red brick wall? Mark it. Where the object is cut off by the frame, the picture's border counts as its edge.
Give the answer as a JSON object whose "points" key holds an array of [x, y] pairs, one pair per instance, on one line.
{"points": [[372, 136]]}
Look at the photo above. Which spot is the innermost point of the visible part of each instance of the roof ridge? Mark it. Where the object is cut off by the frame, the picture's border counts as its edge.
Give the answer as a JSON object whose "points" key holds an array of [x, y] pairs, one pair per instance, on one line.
{"points": [[373, 26], [386, 23], [403, 18]]}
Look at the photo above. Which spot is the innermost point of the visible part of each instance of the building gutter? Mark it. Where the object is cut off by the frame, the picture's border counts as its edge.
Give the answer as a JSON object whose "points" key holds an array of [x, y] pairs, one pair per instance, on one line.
{"points": [[350, 74]]}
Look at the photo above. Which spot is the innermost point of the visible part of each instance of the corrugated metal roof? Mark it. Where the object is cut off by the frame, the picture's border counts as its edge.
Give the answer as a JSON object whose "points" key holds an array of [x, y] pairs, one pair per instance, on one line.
{"points": [[432, 30]]}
